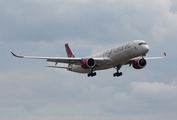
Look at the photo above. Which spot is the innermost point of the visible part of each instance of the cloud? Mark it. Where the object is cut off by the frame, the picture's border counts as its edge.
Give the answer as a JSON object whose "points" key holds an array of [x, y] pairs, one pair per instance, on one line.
{"points": [[155, 92], [173, 6], [154, 88], [93, 117], [107, 20], [1, 42], [75, 98], [41, 27]]}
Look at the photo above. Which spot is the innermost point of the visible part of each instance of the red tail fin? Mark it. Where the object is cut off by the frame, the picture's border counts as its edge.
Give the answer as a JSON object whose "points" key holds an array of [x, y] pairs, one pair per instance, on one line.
{"points": [[68, 51]]}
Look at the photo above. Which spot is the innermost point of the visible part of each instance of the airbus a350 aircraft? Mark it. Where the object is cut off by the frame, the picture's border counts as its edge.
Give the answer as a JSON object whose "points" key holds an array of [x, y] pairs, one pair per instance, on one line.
{"points": [[116, 57]]}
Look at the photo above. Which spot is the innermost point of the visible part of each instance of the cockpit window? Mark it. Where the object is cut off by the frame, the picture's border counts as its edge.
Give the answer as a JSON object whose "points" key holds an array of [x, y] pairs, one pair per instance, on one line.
{"points": [[142, 43]]}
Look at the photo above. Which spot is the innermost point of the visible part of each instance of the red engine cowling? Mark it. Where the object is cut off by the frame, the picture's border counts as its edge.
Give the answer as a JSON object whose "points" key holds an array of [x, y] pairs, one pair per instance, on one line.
{"points": [[139, 63], [88, 63]]}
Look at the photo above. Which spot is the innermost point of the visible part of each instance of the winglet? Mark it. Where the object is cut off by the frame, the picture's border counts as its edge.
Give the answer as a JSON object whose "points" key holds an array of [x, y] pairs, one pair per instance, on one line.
{"points": [[165, 55], [17, 55]]}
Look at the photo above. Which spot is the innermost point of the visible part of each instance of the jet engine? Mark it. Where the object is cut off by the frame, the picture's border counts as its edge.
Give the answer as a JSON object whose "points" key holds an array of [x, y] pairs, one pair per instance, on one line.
{"points": [[88, 63], [139, 63]]}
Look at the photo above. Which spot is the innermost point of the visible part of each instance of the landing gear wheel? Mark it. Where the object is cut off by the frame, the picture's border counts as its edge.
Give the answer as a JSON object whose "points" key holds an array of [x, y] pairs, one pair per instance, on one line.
{"points": [[91, 74], [117, 74]]}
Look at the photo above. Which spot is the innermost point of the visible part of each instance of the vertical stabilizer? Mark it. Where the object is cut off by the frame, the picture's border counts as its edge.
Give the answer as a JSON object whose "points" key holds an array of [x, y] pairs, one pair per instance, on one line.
{"points": [[68, 51]]}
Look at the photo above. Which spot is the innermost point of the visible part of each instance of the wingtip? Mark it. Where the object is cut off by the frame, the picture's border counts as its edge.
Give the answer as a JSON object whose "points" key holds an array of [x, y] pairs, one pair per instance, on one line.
{"points": [[165, 54], [16, 55], [13, 54]]}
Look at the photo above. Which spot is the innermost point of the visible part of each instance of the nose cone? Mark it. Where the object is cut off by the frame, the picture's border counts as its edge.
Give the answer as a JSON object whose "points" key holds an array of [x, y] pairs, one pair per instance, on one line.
{"points": [[145, 48]]}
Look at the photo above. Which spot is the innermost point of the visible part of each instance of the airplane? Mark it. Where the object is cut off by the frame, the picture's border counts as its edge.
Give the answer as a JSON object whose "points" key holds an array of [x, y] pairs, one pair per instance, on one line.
{"points": [[125, 54]]}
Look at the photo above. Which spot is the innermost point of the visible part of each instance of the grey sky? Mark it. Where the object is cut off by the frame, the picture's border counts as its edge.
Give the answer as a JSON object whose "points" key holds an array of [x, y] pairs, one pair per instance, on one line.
{"points": [[30, 91]]}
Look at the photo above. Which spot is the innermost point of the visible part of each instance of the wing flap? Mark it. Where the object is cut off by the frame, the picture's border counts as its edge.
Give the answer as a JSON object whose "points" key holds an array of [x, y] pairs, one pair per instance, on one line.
{"points": [[58, 67]]}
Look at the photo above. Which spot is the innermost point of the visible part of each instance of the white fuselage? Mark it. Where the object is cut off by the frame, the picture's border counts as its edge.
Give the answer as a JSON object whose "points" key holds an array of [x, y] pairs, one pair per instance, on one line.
{"points": [[116, 55]]}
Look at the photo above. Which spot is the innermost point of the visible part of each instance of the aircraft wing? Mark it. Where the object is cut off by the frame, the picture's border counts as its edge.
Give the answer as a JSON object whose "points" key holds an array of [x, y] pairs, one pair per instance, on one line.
{"points": [[148, 58], [69, 60], [151, 58]]}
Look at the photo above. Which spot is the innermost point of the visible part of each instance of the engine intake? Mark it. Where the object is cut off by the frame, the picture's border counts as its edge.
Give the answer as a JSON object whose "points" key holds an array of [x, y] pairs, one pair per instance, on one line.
{"points": [[139, 63], [88, 63]]}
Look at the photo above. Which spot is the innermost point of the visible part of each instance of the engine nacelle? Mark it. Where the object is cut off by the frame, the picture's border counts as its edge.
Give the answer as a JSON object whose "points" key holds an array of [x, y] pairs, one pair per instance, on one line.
{"points": [[88, 63], [139, 63]]}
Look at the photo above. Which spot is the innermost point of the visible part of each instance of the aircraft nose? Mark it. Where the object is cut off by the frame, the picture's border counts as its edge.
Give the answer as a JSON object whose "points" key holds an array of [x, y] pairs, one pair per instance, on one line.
{"points": [[146, 48]]}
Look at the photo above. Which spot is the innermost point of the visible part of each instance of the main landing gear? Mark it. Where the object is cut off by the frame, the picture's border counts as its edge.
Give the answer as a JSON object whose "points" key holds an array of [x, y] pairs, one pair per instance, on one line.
{"points": [[117, 74], [91, 74]]}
